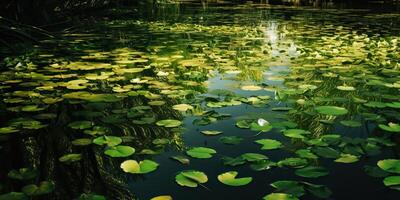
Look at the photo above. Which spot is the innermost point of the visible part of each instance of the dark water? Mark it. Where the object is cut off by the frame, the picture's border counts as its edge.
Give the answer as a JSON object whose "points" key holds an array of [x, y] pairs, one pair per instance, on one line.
{"points": [[124, 73]]}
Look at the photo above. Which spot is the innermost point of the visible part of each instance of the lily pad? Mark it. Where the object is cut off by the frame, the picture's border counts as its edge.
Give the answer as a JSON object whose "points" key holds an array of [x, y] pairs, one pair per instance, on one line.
{"points": [[7, 130], [331, 110], [182, 159], [295, 133], [191, 178], [81, 125], [143, 167], [269, 144], [169, 123], [69, 158], [231, 140], [392, 181], [351, 123], [312, 172], [390, 165], [182, 107], [253, 157], [23, 174], [162, 197], [347, 158], [391, 127], [256, 127], [279, 196], [211, 132], [289, 187], [201, 152], [119, 151], [107, 140], [44, 187], [229, 178]]}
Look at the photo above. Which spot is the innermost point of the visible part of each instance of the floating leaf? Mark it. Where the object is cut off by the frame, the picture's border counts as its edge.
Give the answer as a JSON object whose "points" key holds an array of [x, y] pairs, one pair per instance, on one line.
{"points": [[243, 124], [85, 196], [191, 178], [107, 140], [182, 107], [233, 161], [375, 171], [229, 178], [44, 187], [201, 152], [289, 187], [346, 88], [256, 127], [182, 159], [232, 140], [69, 158], [163, 197], [169, 123], [143, 167], [391, 127], [82, 142], [119, 151], [306, 153], [279, 196], [392, 181], [211, 132], [269, 144], [312, 172], [295, 133], [23, 174], [7, 130], [252, 157], [262, 165], [326, 152], [80, 125], [331, 110], [251, 87], [351, 123], [293, 162], [347, 158], [390, 165], [320, 191]]}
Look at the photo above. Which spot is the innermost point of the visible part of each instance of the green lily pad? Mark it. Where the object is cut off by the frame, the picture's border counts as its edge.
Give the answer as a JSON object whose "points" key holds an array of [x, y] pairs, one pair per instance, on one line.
{"points": [[256, 127], [14, 196], [182, 159], [279, 196], [326, 152], [392, 181], [69, 158], [229, 178], [23, 174], [295, 133], [81, 125], [231, 140], [211, 132], [169, 123], [269, 144], [243, 123], [320, 191], [182, 107], [390, 165], [345, 88], [82, 142], [201, 152], [293, 162], [253, 157], [85, 196], [119, 151], [391, 127], [312, 172], [347, 158], [143, 167], [262, 165], [107, 140], [375, 171], [331, 110], [7, 130], [351, 123], [306, 153], [289, 187], [162, 197], [233, 161], [191, 178], [44, 187]]}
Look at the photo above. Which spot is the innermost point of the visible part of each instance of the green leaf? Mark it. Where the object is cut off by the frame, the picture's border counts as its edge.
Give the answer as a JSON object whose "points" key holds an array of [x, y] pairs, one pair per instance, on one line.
{"points": [[201, 152], [182, 107], [119, 151], [256, 127], [231, 140], [13, 196], [162, 197], [7, 130], [253, 157], [391, 127], [268, 144], [390, 165], [347, 158], [326, 152], [81, 125], [229, 178], [211, 132], [107, 140], [233, 161], [312, 172], [289, 187], [169, 123], [143, 167], [44, 187], [23, 174], [391, 181], [280, 196], [331, 110], [243, 123], [191, 178], [375, 171], [293, 162], [85, 196], [82, 142], [182, 159], [351, 123], [262, 165], [295, 133], [306, 153], [320, 191], [69, 158]]}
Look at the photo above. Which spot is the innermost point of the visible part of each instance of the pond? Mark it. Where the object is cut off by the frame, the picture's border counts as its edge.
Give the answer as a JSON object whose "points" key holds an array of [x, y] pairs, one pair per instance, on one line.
{"points": [[206, 103]]}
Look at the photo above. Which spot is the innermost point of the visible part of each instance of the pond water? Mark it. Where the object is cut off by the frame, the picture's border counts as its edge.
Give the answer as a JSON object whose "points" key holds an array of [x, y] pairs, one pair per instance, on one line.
{"points": [[300, 103]]}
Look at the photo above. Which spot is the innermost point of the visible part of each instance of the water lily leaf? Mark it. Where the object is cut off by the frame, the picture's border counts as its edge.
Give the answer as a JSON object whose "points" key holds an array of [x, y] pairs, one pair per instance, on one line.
{"points": [[182, 159], [243, 123], [161, 141], [269, 144], [293, 162], [211, 132], [253, 157], [347, 158], [390, 165], [295, 133], [201, 152], [182, 107], [191, 178], [331, 110], [14, 196], [7, 130], [169, 123], [256, 127], [375, 171], [163, 197], [23, 174], [119, 151], [107, 140], [85, 196], [229, 178], [156, 103], [393, 104], [233, 161], [262, 165], [289, 187], [251, 87], [345, 88], [80, 125], [232, 140], [44, 187], [143, 167], [306, 153], [326, 152], [351, 123], [320, 191], [279, 196], [69, 158], [375, 104], [32, 108], [82, 142], [391, 127], [392, 181], [312, 172]]}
